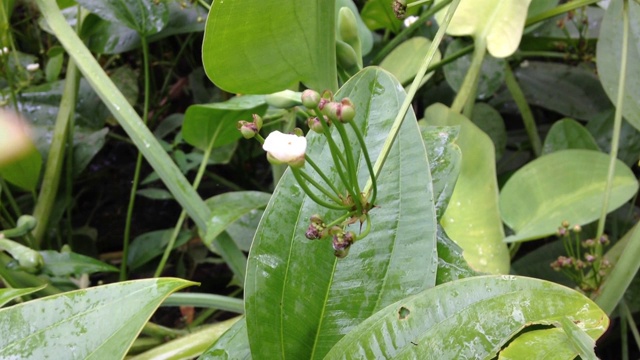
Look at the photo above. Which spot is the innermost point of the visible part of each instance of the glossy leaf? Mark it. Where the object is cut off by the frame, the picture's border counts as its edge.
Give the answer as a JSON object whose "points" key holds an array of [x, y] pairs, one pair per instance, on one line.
{"points": [[491, 76], [569, 90], [299, 298], [472, 218], [233, 344], [206, 122], [68, 263], [609, 53], [229, 207], [243, 230], [144, 16], [491, 122], [568, 134], [7, 295], [540, 344], [83, 324], [107, 37], [155, 194], [565, 185], [468, 318], [283, 43], [405, 60], [499, 23], [148, 246], [445, 160]]}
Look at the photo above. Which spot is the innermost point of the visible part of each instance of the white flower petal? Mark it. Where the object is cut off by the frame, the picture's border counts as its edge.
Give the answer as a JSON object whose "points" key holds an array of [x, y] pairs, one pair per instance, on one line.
{"points": [[285, 148]]}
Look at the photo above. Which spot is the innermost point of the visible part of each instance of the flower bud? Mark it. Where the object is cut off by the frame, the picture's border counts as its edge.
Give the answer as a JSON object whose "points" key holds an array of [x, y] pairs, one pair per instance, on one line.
{"points": [[342, 253], [589, 243], [590, 258], [257, 121], [298, 131], [348, 27], [285, 149], [565, 224], [315, 125], [247, 129], [604, 239], [399, 8], [332, 110], [577, 228], [310, 98], [33, 67], [347, 111]]}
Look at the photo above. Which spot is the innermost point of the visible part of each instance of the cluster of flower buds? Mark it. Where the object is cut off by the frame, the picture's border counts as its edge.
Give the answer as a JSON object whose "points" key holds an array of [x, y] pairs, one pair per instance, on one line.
{"points": [[399, 8], [346, 195], [584, 264]]}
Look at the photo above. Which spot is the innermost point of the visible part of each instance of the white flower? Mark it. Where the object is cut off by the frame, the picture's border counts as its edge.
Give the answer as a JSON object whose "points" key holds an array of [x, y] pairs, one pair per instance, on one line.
{"points": [[409, 20], [33, 67], [285, 148]]}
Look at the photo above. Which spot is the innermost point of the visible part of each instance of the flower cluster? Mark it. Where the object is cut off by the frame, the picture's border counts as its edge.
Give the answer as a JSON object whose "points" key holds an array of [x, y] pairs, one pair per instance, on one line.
{"points": [[584, 264], [323, 114]]}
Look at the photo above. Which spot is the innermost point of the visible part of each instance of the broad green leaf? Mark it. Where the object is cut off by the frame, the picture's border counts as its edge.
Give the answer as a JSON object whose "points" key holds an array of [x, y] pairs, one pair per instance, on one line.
{"points": [[68, 263], [444, 161], [189, 346], [86, 145], [83, 324], [472, 218], [243, 230], [468, 318], [7, 295], [491, 76], [144, 16], [229, 207], [300, 299], [537, 7], [584, 26], [568, 134], [283, 43], [540, 344], [405, 60], [499, 23], [490, 121], [564, 185], [148, 246], [609, 54], [233, 344], [55, 60], [107, 37], [24, 172], [569, 90], [216, 122]]}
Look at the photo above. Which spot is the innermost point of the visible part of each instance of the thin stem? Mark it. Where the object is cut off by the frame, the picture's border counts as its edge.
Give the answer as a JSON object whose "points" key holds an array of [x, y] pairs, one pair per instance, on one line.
{"points": [[408, 31], [617, 122], [317, 200], [367, 159], [10, 198], [469, 86], [136, 175], [395, 128], [626, 313], [351, 164], [525, 110], [55, 160], [559, 10], [317, 185], [336, 154], [220, 302], [324, 177]]}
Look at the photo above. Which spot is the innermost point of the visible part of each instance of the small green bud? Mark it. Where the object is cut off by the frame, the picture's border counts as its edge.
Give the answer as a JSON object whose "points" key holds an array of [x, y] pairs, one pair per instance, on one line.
{"points": [[283, 99], [347, 111], [247, 129], [348, 26], [310, 98], [346, 57], [298, 131], [27, 222]]}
